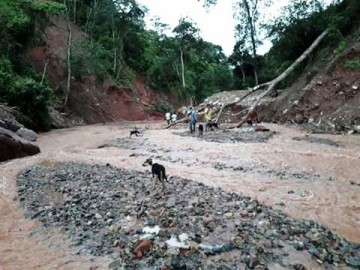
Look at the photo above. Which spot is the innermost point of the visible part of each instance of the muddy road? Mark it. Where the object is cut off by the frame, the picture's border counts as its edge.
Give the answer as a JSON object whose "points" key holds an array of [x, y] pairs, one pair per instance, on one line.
{"points": [[314, 179]]}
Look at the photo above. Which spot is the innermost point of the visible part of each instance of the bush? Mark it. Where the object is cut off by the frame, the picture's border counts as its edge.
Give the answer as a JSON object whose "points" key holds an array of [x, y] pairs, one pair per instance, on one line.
{"points": [[90, 59], [29, 95], [32, 98], [162, 107], [353, 65], [6, 75], [341, 47]]}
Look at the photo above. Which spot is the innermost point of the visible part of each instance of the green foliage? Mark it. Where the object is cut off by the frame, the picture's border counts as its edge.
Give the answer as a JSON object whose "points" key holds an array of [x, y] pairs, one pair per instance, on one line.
{"points": [[292, 33], [353, 65], [28, 94], [90, 59], [49, 7], [6, 76], [341, 48], [33, 99], [19, 83], [161, 107]]}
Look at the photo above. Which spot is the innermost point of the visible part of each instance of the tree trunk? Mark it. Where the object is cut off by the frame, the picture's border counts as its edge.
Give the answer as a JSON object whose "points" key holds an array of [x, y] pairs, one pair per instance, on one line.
{"points": [[44, 71], [252, 33], [243, 72], [68, 57], [191, 100], [182, 68], [74, 14], [87, 31], [114, 45]]}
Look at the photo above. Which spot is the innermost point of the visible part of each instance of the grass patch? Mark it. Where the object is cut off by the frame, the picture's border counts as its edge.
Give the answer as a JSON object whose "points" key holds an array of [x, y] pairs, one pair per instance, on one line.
{"points": [[353, 65]]}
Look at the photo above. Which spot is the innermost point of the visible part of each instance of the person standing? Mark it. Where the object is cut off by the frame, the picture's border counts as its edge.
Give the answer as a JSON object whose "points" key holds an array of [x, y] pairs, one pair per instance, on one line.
{"points": [[167, 117], [173, 117], [193, 120], [208, 113]]}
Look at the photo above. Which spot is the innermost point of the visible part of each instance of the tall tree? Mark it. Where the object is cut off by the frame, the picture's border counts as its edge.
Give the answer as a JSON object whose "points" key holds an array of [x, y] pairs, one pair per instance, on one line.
{"points": [[248, 12], [68, 51], [187, 34]]}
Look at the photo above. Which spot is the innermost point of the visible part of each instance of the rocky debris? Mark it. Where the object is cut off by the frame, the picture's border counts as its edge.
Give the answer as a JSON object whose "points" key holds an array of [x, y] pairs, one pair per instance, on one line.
{"points": [[12, 119], [104, 210], [246, 134], [15, 139], [27, 134], [313, 139], [64, 118], [225, 97], [10, 124], [281, 173], [13, 146]]}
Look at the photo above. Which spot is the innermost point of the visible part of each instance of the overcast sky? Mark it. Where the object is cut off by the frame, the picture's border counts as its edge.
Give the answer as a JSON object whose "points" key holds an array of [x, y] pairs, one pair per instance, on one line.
{"points": [[216, 23]]}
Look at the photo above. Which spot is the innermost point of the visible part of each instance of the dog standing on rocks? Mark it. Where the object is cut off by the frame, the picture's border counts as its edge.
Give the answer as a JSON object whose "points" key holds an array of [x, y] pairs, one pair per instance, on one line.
{"points": [[158, 172], [135, 131]]}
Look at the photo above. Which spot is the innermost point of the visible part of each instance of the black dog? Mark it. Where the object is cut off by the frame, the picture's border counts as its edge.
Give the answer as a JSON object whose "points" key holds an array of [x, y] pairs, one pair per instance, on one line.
{"points": [[158, 171], [132, 132], [211, 126], [201, 129]]}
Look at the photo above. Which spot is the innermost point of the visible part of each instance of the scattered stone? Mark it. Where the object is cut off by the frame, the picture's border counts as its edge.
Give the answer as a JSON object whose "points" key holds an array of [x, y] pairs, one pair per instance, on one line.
{"points": [[203, 218], [312, 139], [245, 134], [143, 247], [354, 262], [244, 213], [299, 267]]}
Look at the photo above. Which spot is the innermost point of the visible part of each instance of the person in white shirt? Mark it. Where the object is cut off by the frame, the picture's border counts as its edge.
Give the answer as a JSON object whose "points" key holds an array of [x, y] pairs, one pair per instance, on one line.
{"points": [[173, 117], [167, 117]]}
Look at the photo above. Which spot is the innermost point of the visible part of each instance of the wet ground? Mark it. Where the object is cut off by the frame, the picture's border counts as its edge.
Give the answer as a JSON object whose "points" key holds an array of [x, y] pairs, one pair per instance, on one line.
{"points": [[306, 180]]}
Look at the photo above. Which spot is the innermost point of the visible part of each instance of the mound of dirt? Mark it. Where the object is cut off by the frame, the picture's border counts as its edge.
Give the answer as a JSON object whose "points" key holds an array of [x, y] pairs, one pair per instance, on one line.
{"points": [[328, 102], [247, 134]]}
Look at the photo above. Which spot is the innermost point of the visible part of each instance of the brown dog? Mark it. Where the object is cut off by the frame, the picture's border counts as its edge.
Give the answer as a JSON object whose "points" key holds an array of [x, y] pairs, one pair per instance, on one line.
{"points": [[252, 118]]}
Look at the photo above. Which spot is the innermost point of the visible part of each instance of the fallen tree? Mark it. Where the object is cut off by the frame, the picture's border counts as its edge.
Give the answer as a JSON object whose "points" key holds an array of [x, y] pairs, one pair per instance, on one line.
{"points": [[268, 86], [271, 85]]}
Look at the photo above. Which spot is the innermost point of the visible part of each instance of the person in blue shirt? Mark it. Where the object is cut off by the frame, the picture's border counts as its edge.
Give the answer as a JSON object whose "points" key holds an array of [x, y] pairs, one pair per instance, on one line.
{"points": [[192, 120]]}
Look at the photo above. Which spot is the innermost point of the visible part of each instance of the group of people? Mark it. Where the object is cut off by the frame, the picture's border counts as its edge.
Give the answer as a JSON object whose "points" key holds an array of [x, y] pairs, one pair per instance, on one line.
{"points": [[191, 113], [192, 117], [170, 117]]}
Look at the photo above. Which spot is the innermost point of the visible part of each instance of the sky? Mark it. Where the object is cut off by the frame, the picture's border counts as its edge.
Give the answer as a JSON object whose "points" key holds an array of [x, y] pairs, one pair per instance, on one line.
{"points": [[215, 23]]}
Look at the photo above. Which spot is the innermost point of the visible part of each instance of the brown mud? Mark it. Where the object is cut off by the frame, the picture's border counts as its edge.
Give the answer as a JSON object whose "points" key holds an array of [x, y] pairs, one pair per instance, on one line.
{"points": [[303, 179]]}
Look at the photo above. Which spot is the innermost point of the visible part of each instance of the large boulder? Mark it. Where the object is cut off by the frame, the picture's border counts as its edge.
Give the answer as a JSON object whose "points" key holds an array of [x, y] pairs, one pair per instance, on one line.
{"points": [[10, 124], [13, 146], [27, 134]]}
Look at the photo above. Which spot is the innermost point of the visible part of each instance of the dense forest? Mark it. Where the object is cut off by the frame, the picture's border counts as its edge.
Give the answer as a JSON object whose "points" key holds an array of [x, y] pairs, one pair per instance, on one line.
{"points": [[117, 43]]}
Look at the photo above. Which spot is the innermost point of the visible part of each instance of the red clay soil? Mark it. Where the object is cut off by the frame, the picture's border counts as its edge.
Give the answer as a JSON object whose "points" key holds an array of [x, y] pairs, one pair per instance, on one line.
{"points": [[329, 100], [92, 100]]}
